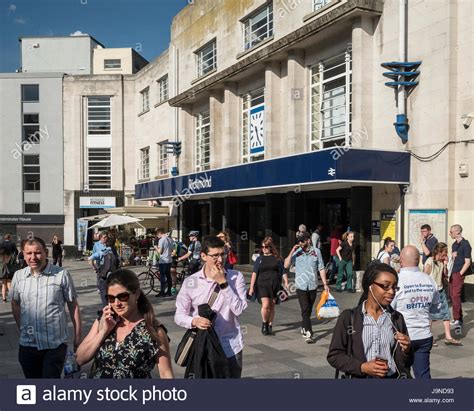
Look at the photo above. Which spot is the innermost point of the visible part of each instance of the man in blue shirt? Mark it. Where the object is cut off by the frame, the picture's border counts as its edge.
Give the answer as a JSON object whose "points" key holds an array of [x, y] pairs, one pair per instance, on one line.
{"points": [[461, 266], [307, 261], [428, 242]]}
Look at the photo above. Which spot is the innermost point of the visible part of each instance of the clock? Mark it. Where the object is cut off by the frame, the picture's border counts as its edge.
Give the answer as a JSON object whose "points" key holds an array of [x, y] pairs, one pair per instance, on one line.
{"points": [[257, 129]]}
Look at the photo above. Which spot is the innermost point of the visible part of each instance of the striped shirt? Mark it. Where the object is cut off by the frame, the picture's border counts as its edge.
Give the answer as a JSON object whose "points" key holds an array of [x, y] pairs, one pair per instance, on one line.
{"points": [[42, 300], [378, 338]]}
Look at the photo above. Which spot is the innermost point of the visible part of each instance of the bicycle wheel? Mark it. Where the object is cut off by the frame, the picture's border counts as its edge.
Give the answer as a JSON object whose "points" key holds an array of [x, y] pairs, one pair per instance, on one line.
{"points": [[146, 281], [156, 285]]}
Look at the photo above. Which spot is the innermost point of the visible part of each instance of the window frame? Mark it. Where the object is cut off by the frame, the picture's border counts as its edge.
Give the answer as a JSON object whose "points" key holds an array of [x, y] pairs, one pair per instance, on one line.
{"points": [[163, 159], [202, 141], [113, 68], [31, 212], [25, 125], [200, 60], [145, 163], [23, 87], [107, 181], [31, 173], [145, 100], [319, 4], [163, 89], [94, 114], [248, 23], [317, 118]]}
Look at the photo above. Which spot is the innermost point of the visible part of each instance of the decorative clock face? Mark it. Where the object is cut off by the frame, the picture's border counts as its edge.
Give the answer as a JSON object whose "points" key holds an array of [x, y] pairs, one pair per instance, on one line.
{"points": [[257, 129]]}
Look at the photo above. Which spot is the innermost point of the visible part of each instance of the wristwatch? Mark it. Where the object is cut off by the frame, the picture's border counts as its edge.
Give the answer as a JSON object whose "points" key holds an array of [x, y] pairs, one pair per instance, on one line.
{"points": [[223, 285]]}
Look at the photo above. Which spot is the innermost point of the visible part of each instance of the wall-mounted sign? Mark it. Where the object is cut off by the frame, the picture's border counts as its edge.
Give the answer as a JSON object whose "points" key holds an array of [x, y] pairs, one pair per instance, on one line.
{"points": [[32, 219], [257, 129], [375, 227], [388, 225], [97, 202]]}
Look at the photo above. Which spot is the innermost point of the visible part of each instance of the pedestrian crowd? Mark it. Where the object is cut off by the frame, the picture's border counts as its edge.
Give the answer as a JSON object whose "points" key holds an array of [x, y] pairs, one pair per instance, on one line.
{"points": [[387, 335]]}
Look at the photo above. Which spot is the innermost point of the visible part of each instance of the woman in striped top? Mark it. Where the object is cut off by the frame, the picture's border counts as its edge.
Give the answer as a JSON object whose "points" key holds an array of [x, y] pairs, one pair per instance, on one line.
{"points": [[371, 340]]}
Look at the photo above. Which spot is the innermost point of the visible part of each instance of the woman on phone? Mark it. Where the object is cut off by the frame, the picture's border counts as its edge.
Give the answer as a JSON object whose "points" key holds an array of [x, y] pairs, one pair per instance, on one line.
{"points": [[346, 255], [436, 266], [268, 272], [126, 341], [224, 236], [371, 340]]}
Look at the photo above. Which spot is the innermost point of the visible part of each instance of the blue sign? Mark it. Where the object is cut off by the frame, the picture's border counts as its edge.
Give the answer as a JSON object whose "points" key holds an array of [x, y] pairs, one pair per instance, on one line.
{"points": [[339, 164]]}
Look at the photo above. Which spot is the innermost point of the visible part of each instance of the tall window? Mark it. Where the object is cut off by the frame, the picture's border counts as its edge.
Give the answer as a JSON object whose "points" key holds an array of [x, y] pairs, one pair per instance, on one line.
{"points": [[258, 27], [163, 165], [31, 208], [99, 168], [112, 64], [317, 4], [31, 128], [253, 125], [31, 173], [331, 102], [30, 93], [206, 58], [98, 116], [203, 143], [145, 99], [145, 163], [163, 89]]}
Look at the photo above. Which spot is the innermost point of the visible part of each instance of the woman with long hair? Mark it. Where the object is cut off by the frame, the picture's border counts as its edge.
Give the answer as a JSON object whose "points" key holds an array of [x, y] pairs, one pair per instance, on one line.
{"points": [[346, 255], [7, 270], [437, 267], [384, 254], [57, 251], [126, 341], [371, 340], [224, 236], [267, 275]]}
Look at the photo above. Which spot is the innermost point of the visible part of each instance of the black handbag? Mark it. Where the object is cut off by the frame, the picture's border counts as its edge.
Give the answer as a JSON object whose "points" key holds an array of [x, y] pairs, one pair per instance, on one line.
{"points": [[184, 346], [348, 349]]}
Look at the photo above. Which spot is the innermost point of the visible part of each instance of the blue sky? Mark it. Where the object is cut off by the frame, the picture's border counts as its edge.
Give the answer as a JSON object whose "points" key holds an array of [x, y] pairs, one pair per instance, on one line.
{"points": [[141, 24]]}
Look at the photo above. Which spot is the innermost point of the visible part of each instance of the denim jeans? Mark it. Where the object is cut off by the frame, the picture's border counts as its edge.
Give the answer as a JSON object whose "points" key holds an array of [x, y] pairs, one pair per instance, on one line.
{"points": [[165, 277], [421, 363]]}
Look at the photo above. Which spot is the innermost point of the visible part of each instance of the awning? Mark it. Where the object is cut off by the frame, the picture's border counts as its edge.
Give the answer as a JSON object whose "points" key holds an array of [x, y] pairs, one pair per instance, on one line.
{"points": [[329, 166], [151, 217]]}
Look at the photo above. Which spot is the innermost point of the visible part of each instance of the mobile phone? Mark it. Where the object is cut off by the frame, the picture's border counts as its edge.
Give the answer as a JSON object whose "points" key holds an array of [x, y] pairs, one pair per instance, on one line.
{"points": [[381, 358]]}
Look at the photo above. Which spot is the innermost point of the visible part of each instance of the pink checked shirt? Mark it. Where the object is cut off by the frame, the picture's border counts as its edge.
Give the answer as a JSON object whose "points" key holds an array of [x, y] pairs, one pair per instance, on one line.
{"points": [[229, 305]]}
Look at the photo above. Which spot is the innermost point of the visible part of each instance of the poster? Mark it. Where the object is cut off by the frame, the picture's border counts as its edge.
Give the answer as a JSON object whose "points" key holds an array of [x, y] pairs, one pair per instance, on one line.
{"points": [[81, 234], [388, 225], [436, 218]]}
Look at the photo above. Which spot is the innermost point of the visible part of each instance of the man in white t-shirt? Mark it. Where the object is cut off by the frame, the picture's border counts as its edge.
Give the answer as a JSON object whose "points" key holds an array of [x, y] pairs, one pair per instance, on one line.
{"points": [[418, 295]]}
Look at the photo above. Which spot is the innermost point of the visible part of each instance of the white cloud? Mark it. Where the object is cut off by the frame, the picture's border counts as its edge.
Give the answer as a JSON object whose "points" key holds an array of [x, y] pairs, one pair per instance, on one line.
{"points": [[78, 33], [11, 9], [20, 20]]}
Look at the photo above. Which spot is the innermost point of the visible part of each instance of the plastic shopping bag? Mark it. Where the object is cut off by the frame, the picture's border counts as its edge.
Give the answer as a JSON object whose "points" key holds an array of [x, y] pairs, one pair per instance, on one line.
{"points": [[327, 307]]}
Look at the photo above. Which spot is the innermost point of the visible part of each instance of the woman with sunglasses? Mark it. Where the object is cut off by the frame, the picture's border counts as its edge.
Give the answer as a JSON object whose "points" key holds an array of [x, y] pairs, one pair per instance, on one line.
{"points": [[228, 249], [265, 283], [126, 341], [371, 340]]}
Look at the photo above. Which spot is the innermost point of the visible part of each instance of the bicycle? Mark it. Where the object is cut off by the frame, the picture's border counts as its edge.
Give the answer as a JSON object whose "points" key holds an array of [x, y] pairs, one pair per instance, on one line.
{"points": [[150, 280], [181, 275]]}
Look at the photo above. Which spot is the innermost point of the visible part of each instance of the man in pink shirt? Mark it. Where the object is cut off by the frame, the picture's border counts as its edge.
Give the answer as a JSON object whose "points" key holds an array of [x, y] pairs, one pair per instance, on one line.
{"points": [[229, 305]]}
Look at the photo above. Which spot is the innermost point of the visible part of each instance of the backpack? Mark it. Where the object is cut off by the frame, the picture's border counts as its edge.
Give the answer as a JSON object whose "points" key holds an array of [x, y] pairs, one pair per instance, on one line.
{"points": [[109, 264], [181, 249]]}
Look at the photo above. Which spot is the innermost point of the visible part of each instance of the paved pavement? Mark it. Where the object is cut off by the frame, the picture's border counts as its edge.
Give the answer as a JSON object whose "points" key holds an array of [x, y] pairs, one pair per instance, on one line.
{"points": [[284, 355]]}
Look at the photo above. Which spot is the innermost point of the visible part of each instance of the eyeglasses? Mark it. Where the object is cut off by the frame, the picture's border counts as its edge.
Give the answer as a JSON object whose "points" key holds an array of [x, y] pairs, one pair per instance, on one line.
{"points": [[387, 287], [265, 246], [122, 297], [216, 256]]}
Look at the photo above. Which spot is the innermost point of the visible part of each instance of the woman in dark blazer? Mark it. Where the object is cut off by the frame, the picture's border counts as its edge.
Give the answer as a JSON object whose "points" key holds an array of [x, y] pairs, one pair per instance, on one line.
{"points": [[371, 340]]}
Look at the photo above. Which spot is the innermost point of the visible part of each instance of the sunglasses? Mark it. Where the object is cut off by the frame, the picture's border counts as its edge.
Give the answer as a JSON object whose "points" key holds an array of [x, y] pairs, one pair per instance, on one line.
{"points": [[265, 246], [122, 297], [387, 287]]}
